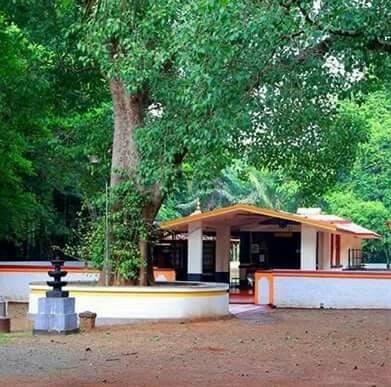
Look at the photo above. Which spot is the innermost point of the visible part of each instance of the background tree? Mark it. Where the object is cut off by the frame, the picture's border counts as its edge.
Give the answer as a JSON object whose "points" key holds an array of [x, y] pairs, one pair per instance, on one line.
{"points": [[364, 194], [54, 113], [21, 129], [238, 183]]}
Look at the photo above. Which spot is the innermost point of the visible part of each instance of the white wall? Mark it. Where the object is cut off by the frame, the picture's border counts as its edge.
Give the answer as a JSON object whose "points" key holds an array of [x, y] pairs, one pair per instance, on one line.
{"points": [[43, 263], [194, 261], [14, 286], [324, 250], [348, 242], [340, 293], [376, 266], [308, 248]]}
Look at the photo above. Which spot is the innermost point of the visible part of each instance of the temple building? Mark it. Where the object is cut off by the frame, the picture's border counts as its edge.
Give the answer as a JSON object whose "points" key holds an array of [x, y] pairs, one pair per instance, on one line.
{"points": [[231, 244]]}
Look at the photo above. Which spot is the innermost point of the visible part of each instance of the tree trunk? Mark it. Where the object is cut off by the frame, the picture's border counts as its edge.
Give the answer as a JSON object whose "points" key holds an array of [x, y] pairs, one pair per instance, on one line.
{"points": [[128, 115], [146, 270]]}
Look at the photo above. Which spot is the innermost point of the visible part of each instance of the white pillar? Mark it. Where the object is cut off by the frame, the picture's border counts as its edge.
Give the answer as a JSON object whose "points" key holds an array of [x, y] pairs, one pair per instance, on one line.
{"points": [[325, 251], [194, 251], [223, 244], [308, 248]]}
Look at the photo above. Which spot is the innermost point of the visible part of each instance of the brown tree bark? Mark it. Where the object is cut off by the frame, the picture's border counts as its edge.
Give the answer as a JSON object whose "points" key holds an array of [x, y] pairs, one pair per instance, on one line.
{"points": [[146, 271], [128, 115]]}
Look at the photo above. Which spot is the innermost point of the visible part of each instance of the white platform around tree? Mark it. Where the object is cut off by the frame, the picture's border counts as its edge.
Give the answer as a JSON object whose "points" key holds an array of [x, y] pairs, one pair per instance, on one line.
{"points": [[177, 300]]}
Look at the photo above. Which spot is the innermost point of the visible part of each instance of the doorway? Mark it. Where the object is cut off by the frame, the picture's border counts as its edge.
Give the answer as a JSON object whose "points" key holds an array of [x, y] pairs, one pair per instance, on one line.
{"points": [[261, 251]]}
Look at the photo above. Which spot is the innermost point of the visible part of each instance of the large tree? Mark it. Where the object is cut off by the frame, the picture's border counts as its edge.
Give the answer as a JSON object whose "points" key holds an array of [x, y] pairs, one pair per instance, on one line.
{"points": [[204, 81]]}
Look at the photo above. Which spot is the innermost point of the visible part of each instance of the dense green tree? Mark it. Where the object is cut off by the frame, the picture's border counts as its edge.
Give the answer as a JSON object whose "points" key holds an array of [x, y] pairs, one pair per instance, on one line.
{"points": [[23, 110], [69, 118], [207, 81], [364, 194], [371, 173]]}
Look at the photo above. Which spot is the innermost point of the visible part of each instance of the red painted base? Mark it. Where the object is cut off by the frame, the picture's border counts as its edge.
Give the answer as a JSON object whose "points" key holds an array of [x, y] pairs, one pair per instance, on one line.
{"points": [[241, 296]]}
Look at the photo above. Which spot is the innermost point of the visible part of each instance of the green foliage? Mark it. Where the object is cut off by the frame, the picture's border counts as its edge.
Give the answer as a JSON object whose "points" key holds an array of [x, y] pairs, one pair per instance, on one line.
{"points": [[239, 183], [217, 81], [52, 115], [22, 125], [371, 174], [236, 79], [92, 232], [364, 195], [371, 214], [78, 137], [125, 245]]}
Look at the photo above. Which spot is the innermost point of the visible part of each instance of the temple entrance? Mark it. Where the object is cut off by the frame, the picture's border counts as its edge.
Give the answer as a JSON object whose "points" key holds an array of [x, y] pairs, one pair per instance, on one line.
{"points": [[261, 250], [239, 292]]}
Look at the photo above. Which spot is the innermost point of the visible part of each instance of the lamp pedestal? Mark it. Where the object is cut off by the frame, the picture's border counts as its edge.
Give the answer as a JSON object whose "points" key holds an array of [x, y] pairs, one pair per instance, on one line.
{"points": [[56, 316], [56, 312]]}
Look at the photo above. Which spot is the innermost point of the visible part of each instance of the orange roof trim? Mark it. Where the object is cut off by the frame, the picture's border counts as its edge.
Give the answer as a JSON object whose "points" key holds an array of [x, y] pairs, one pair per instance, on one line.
{"points": [[302, 219], [172, 224]]}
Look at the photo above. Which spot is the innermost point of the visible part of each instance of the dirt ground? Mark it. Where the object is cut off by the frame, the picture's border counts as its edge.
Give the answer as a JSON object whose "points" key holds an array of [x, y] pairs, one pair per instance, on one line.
{"points": [[272, 348]]}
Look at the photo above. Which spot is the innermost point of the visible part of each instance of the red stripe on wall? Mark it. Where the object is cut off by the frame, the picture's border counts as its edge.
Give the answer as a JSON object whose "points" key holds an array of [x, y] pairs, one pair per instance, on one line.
{"points": [[331, 250], [338, 250], [28, 268]]}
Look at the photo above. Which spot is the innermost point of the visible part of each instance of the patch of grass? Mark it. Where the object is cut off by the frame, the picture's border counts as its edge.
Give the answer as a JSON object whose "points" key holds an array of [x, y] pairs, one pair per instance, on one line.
{"points": [[6, 337]]}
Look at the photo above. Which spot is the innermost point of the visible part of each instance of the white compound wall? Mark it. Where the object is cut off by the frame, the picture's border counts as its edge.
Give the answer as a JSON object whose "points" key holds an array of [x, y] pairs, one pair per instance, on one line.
{"points": [[340, 290]]}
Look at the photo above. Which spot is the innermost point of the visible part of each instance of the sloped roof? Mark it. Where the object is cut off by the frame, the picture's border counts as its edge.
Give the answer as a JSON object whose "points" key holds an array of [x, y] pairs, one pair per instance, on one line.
{"points": [[229, 216]]}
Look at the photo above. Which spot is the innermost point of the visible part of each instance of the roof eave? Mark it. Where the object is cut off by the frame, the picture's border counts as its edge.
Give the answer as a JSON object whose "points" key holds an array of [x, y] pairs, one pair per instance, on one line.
{"points": [[248, 208]]}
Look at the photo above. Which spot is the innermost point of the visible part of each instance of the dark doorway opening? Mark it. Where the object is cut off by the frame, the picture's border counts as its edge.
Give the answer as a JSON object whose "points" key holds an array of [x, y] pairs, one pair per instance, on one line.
{"points": [[270, 250], [264, 250]]}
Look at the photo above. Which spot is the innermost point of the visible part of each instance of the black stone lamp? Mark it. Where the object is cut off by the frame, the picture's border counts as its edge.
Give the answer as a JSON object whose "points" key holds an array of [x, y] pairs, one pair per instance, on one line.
{"points": [[57, 284], [56, 312]]}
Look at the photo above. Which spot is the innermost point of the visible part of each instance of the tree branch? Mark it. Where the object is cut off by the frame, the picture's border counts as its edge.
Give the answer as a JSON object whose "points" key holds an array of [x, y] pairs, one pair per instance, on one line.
{"points": [[379, 44]]}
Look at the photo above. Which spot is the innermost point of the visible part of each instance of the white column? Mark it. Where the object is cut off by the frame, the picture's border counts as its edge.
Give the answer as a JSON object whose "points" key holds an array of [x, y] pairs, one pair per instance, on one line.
{"points": [[194, 251], [308, 248], [325, 249], [223, 244]]}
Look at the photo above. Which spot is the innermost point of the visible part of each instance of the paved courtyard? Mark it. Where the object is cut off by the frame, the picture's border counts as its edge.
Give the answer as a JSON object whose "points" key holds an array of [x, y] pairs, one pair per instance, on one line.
{"points": [[257, 347]]}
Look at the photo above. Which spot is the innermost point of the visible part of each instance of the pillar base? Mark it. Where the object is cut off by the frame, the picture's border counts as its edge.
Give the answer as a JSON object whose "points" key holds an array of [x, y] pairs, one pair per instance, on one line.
{"points": [[56, 316], [44, 332]]}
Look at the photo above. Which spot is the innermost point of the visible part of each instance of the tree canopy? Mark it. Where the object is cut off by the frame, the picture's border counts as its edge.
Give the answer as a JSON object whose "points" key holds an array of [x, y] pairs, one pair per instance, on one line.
{"points": [[191, 86], [222, 78]]}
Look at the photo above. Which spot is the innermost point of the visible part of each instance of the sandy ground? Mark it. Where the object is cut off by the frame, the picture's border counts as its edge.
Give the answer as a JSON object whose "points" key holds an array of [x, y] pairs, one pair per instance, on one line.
{"points": [[272, 348]]}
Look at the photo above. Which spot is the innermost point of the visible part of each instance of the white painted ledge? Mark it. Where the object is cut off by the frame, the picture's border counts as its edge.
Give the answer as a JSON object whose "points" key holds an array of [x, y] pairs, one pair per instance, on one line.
{"points": [[128, 303]]}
